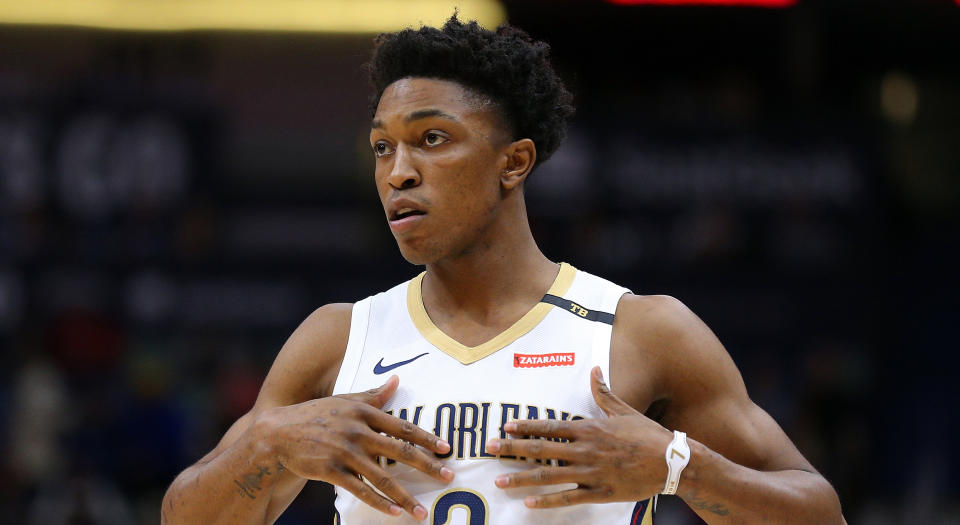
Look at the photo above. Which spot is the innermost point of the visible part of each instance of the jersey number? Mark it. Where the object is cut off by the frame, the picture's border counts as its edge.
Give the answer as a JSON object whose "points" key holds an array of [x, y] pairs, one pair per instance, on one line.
{"points": [[472, 502]]}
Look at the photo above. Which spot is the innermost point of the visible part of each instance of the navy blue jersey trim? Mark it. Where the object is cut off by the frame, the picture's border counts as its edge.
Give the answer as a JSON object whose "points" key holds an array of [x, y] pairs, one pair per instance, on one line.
{"points": [[636, 517], [576, 309]]}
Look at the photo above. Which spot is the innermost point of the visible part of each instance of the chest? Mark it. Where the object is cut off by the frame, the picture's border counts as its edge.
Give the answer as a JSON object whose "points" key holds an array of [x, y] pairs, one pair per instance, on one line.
{"points": [[543, 374]]}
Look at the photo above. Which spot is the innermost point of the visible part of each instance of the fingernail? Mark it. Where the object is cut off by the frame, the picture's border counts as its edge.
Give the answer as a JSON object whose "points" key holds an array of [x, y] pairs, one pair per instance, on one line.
{"points": [[443, 446], [600, 375], [510, 427], [396, 510], [493, 446], [419, 512], [530, 501], [446, 473], [501, 481]]}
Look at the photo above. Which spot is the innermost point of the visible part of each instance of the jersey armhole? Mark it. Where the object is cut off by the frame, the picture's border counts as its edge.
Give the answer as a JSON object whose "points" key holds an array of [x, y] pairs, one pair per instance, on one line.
{"points": [[603, 333], [359, 320]]}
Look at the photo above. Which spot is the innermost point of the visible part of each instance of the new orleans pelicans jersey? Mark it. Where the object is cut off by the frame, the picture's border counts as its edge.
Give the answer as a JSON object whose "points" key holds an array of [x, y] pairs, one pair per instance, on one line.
{"points": [[538, 368]]}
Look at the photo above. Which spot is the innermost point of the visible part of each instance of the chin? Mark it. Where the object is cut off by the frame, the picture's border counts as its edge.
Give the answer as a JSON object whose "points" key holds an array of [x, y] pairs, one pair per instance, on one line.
{"points": [[419, 255], [415, 259], [428, 249]]}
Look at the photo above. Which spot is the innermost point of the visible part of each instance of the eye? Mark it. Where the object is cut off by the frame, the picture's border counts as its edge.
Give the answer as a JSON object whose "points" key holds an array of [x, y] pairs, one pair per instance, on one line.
{"points": [[382, 148], [433, 139]]}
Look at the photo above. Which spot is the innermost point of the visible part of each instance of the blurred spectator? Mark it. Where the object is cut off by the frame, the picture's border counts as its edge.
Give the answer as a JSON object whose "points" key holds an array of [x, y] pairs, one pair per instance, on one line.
{"points": [[79, 500], [173, 205], [40, 413]]}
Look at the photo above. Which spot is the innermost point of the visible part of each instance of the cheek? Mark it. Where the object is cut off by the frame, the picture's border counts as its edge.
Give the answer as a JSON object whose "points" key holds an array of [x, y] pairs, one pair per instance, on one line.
{"points": [[471, 176], [474, 207], [380, 181], [471, 196]]}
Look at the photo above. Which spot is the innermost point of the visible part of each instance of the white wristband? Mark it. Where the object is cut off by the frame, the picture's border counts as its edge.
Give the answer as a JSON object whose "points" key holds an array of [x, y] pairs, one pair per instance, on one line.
{"points": [[678, 455]]}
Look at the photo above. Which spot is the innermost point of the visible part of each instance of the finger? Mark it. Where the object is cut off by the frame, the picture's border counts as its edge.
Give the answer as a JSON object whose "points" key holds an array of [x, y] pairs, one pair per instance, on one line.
{"points": [[532, 448], [386, 484], [376, 397], [364, 493], [551, 428], [407, 453], [610, 403], [569, 497], [405, 430], [540, 476]]}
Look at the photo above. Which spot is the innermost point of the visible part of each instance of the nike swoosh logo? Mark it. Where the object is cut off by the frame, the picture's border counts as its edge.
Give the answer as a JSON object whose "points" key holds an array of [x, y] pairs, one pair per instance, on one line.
{"points": [[380, 369]]}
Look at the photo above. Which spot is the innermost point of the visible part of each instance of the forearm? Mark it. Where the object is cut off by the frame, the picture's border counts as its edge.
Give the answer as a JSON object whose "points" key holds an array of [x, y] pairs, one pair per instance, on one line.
{"points": [[723, 492], [235, 487]]}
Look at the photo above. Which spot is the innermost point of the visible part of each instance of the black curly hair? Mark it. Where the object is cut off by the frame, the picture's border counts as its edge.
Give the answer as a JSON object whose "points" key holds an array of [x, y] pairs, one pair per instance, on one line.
{"points": [[506, 66]]}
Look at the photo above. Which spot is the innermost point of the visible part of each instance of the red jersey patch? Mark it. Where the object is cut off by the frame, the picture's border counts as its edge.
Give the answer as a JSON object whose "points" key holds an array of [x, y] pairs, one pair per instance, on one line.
{"points": [[542, 360]]}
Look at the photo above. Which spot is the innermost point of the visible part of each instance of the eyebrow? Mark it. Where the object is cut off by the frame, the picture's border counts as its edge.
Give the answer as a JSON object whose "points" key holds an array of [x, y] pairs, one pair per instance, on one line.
{"points": [[418, 115]]}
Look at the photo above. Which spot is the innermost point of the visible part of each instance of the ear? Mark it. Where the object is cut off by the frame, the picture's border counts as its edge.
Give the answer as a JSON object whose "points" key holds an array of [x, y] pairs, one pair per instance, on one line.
{"points": [[519, 158]]}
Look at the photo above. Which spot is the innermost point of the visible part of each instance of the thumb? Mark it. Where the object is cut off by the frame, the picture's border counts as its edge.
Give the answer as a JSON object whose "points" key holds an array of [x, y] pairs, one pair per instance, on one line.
{"points": [[606, 400], [377, 397]]}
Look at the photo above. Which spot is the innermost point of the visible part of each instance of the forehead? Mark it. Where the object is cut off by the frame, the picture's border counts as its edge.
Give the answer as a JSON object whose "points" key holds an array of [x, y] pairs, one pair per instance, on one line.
{"points": [[409, 95]]}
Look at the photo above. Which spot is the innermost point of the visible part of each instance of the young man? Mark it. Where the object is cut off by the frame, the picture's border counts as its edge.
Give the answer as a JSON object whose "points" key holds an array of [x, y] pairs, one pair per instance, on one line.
{"points": [[497, 357]]}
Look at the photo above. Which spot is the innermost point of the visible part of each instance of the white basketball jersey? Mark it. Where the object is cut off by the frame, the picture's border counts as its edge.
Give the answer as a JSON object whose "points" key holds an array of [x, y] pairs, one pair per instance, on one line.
{"points": [[538, 368]]}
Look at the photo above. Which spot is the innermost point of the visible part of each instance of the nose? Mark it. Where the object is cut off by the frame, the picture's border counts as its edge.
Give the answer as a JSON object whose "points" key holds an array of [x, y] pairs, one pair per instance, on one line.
{"points": [[403, 173]]}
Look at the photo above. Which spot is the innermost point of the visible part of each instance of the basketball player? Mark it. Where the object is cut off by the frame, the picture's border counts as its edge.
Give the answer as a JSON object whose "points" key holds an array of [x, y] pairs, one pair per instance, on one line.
{"points": [[497, 386]]}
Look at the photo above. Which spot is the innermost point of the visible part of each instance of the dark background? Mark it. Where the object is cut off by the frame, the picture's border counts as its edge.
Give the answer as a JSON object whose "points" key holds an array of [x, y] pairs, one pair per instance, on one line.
{"points": [[173, 204]]}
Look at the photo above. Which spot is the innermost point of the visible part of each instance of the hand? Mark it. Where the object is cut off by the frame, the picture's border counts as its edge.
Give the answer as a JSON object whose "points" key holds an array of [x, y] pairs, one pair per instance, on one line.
{"points": [[615, 459], [336, 439]]}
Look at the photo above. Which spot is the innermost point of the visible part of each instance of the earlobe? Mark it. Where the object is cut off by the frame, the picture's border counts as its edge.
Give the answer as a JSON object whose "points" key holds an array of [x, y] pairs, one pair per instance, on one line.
{"points": [[520, 158]]}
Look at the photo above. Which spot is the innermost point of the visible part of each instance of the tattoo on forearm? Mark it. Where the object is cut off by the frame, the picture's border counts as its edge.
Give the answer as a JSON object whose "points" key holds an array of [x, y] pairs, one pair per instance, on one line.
{"points": [[250, 484], [701, 504]]}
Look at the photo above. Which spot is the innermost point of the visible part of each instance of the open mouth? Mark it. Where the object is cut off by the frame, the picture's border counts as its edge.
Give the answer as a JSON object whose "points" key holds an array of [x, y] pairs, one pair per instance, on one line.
{"points": [[403, 213]]}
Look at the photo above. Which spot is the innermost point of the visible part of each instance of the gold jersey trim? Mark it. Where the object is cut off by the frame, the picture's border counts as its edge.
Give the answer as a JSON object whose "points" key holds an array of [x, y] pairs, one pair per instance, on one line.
{"points": [[469, 354]]}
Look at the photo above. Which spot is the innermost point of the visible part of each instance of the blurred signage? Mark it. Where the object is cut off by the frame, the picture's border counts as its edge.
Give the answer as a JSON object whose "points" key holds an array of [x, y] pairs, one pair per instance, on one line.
{"points": [[333, 16], [770, 4]]}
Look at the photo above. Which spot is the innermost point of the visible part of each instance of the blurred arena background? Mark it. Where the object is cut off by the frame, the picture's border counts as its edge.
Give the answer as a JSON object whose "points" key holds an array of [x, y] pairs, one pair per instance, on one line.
{"points": [[182, 182]]}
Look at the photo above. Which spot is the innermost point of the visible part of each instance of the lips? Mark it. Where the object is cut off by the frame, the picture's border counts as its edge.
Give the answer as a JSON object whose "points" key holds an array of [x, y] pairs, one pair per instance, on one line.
{"points": [[404, 213]]}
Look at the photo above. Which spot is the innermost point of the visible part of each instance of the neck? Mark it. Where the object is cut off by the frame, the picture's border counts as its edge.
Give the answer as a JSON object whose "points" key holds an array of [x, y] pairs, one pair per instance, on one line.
{"points": [[507, 267]]}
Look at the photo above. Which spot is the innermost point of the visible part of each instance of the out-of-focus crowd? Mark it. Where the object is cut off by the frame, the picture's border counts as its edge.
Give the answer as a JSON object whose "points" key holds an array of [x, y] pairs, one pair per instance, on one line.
{"points": [[172, 206]]}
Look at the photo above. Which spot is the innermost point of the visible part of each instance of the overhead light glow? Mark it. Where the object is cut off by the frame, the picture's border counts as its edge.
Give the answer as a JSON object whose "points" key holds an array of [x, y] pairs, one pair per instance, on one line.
{"points": [[899, 98], [770, 4], [334, 16]]}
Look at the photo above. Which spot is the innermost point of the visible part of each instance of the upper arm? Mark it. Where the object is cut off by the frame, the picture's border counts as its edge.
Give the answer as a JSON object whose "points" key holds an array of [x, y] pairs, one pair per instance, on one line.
{"points": [[700, 388], [305, 368]]}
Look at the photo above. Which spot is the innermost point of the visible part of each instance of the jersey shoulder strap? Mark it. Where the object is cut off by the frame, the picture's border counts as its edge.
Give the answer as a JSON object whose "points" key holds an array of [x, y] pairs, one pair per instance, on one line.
{"points": [[596, 298]]}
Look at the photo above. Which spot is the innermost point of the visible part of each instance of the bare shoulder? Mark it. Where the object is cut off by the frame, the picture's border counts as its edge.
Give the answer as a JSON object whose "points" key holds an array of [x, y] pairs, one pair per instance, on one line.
{"points": [[307, 365], [680, 356], [666, 326], [654, 314], [693, 383], [305, 368]]}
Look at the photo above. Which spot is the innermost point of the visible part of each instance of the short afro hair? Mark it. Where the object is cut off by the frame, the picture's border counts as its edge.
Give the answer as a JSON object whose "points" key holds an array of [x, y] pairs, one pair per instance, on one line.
{"points": [[506, 66]]}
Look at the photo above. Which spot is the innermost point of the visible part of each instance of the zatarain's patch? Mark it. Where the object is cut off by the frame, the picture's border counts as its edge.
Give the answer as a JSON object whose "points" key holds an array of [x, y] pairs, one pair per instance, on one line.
{"points": [[542, 360]]}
